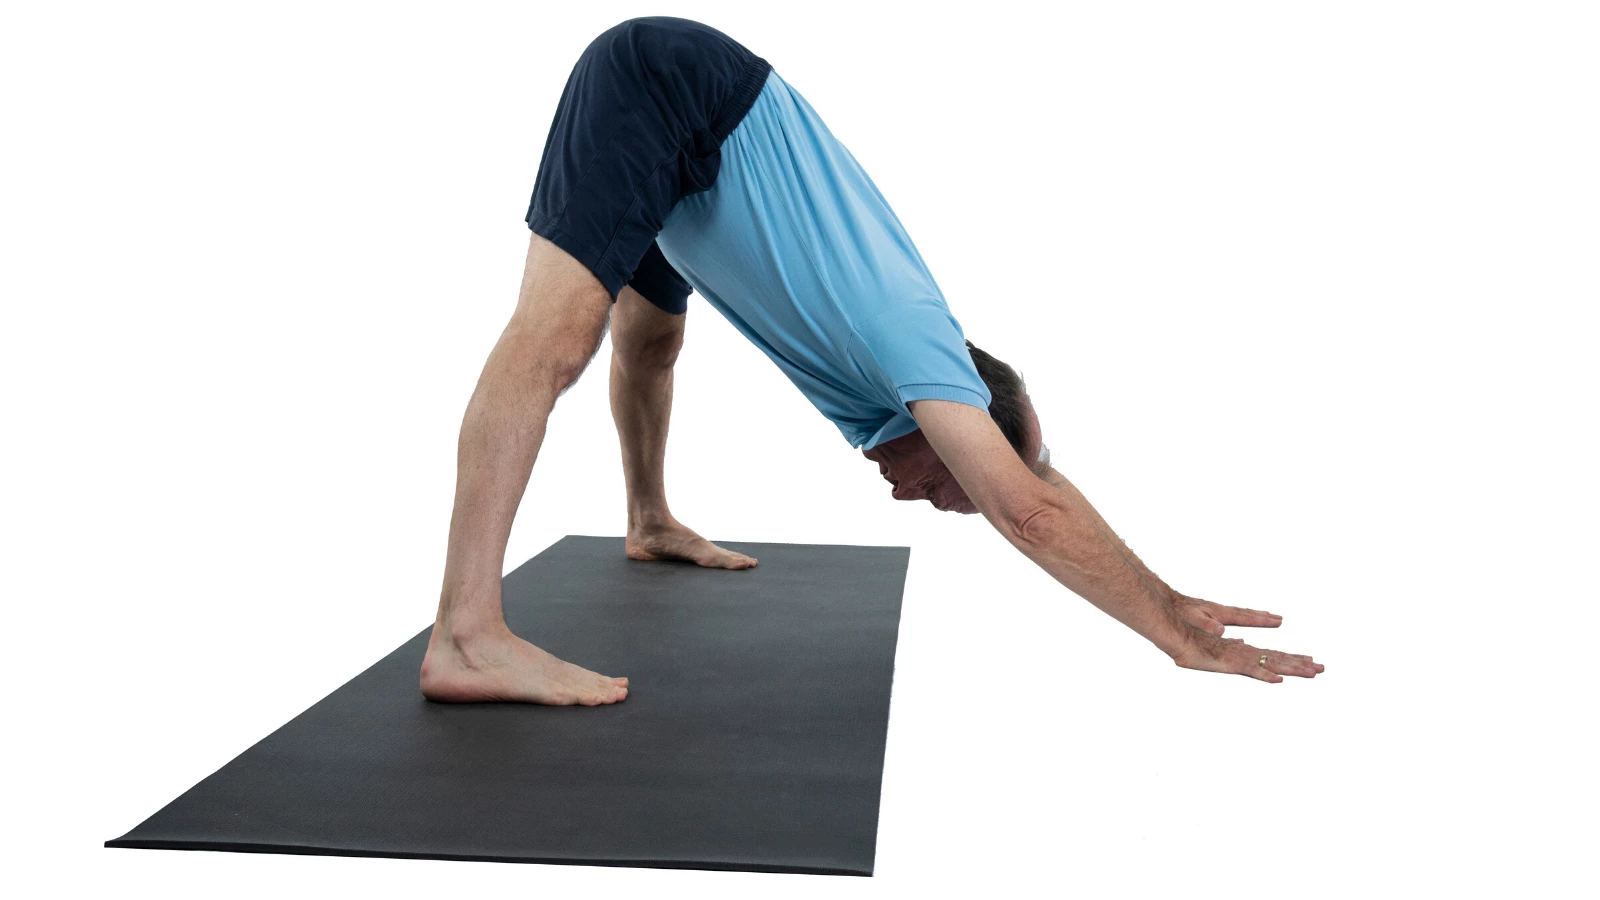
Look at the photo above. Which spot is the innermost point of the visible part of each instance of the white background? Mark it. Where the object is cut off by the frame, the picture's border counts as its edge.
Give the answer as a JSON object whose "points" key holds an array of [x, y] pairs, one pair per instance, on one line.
{"points": [[1304, 294]]}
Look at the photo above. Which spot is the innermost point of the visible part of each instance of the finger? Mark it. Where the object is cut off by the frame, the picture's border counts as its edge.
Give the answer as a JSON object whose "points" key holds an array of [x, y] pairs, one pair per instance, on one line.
{"points": [[1307, 660], [1287, 664], [1248, 660], [1264, 672], [1201, 618], [1252, 618]]}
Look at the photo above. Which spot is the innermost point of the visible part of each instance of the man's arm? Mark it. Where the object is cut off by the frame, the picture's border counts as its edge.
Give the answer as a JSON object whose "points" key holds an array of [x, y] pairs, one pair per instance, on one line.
{"points": [[1066, 538], [1202, 614]]}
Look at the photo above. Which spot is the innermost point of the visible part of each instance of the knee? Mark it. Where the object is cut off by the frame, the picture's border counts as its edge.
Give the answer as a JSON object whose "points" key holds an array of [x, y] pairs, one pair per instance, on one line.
{"points": [[553, 358], [562, 372], [658, 353], [565, 364]]}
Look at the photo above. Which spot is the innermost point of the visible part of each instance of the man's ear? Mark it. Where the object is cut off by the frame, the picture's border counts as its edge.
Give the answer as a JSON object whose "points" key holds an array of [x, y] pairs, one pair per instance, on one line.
{"points": [[1041, 467]]}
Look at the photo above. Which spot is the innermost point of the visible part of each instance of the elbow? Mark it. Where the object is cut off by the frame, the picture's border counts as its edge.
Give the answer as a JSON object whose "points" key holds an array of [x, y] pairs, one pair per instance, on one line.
{"points": [[1036, 525]]}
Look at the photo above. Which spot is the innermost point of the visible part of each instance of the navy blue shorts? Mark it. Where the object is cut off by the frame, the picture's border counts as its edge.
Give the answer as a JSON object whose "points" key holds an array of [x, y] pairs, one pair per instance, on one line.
{"points": [[640, 124]]}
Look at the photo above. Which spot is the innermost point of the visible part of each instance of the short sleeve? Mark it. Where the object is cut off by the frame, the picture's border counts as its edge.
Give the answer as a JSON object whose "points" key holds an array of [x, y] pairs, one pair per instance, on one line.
{"points": [[917, 351]]}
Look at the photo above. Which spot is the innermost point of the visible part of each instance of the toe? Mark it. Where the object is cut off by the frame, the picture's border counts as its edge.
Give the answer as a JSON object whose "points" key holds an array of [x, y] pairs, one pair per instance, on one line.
{"points": [[600, 694]]}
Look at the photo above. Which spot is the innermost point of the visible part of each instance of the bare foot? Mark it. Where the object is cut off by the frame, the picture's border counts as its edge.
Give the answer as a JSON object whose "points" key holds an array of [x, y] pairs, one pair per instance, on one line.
{"points": [[503, 666], [678, 541]]}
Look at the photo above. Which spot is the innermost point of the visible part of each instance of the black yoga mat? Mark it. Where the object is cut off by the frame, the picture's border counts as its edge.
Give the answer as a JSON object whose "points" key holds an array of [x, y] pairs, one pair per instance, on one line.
{"points": [[752, 737]]}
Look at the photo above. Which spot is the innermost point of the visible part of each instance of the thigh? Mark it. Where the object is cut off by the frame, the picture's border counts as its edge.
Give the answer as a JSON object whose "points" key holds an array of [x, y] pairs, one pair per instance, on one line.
{"points": [[562, 312]]}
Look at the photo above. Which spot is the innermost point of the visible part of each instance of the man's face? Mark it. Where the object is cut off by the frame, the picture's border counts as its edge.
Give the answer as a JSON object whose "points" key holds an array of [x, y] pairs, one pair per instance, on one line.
{"points": [[909, 463]]}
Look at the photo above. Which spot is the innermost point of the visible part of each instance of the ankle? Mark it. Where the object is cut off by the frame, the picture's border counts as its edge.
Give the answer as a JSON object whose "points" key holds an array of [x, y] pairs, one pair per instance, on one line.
{"points": [[462, 636], [643, 521]]}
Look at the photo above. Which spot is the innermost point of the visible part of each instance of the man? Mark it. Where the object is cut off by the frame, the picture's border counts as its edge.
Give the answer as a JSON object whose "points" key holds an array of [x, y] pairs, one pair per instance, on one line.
{"points": [[680, 161]]}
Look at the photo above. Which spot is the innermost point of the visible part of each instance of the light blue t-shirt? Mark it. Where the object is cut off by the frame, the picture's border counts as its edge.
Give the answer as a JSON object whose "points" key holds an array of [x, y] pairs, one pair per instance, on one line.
{"points": [[794, 244]]}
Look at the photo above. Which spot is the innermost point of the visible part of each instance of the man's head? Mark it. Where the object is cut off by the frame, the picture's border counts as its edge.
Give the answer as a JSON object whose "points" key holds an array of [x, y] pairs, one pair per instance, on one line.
{"points": [[909, 463]]}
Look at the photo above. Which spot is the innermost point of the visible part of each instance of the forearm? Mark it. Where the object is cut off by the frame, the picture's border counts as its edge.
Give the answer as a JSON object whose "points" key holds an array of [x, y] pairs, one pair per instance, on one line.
{"points": [[1069, 540], [1073, 495], [641, 405], [1056, 529]]}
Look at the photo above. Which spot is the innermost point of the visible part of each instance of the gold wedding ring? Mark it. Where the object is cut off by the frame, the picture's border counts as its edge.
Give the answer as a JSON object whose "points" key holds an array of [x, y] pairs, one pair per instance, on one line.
{"points": [[1263, 661]]}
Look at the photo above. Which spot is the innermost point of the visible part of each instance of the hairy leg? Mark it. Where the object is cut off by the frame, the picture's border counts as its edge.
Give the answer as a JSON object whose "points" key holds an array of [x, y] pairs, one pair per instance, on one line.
{"points": [[644, 348], [561, 316]]}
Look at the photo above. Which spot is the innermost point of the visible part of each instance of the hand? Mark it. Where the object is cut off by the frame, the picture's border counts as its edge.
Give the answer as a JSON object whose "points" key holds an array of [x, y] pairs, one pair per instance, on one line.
{"points": [[1210, 653], [1210, 617]]}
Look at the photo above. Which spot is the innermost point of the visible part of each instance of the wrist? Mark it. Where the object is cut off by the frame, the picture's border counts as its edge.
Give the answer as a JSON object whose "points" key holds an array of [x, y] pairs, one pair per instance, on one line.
{"points": [[1168, 599], [1172, 635]]}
